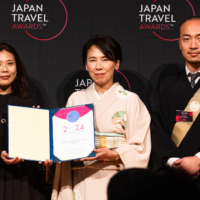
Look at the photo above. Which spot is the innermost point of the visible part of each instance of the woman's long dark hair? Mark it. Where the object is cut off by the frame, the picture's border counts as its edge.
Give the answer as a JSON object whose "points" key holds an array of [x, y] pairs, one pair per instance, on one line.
{"points": [[20, 84]]}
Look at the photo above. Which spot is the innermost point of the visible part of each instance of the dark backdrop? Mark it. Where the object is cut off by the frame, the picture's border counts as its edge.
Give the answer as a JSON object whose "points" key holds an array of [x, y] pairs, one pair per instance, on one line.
{"points": [[54, 64], [50, 46]]}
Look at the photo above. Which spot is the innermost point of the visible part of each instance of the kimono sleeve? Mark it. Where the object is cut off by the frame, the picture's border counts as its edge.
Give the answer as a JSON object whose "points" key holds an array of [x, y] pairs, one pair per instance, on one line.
{"points": [[70, 101], [136, 152], [75, 99]]}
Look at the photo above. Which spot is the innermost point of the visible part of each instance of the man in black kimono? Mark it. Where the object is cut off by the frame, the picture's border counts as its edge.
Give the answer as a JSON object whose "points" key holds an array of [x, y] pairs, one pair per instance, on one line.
{"points": [[172, 94]]}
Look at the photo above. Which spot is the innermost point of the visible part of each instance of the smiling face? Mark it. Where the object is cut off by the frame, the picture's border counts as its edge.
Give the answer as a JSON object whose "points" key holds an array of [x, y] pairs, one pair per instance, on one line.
{"points": [[100, 68], [8, 71], [189, 43]]}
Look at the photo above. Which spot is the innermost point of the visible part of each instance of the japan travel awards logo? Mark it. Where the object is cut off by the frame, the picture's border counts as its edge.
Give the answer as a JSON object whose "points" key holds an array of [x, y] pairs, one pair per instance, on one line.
{"points": [[163, 18], [39, 19], [82, 83]]}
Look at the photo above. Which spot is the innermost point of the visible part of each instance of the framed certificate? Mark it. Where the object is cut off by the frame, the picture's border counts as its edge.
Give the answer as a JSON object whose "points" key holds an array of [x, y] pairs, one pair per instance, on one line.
{"points": [[56, 134]]}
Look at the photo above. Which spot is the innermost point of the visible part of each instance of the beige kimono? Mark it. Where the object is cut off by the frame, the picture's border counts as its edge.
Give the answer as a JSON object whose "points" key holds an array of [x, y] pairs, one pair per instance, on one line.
{"points": [[117, 111]]}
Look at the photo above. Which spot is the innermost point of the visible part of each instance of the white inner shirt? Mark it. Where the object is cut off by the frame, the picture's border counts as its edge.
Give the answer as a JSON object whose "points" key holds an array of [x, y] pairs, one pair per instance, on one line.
{"points": [[189, 77]]}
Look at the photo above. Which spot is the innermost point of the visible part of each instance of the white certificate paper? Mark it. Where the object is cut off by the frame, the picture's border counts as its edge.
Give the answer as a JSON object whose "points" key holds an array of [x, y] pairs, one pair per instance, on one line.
{"points": [[73, 133], [57, 134]]}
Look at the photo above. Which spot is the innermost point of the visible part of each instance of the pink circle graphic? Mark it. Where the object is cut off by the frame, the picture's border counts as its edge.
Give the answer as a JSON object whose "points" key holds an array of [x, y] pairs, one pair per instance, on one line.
{"points": [[58, 33], [126, 79], [177, 38]]}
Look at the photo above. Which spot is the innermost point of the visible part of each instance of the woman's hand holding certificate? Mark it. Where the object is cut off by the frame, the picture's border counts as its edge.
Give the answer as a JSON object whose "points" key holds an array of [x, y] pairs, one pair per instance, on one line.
{"points": [[103, 154], [4, 157], [47, 162]]}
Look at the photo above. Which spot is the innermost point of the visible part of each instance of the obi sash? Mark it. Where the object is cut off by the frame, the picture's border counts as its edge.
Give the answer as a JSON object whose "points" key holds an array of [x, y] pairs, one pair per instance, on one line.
{"points": [[181, 128]]}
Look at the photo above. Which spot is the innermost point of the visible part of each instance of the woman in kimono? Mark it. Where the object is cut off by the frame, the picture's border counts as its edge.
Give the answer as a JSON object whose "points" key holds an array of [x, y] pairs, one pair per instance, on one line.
{"points": [[121, 126], [19, 179]]}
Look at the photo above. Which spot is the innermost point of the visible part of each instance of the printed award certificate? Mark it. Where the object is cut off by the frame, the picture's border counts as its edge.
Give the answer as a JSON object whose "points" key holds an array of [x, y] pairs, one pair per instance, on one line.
{"points": [[56, 134]]}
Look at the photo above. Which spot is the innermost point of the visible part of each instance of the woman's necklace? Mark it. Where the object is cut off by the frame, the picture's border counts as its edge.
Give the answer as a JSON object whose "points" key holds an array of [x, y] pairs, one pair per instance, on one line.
{"points": [[3, 121]]}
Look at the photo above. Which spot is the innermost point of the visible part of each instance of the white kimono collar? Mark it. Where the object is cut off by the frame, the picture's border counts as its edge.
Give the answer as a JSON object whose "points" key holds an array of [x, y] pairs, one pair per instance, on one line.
{"points": [[105, 92]]}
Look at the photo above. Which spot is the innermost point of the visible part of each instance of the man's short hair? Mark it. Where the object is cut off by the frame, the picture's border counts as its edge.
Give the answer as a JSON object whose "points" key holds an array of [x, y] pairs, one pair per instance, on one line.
{"points": [[193, 18]]}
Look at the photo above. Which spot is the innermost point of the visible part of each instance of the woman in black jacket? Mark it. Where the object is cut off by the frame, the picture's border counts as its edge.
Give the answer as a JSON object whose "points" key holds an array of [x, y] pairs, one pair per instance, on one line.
{"points": [[18, 178]]}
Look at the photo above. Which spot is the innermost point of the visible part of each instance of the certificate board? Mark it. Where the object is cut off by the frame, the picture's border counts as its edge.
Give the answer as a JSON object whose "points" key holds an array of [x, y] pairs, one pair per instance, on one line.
{"points": [[56, 134]]}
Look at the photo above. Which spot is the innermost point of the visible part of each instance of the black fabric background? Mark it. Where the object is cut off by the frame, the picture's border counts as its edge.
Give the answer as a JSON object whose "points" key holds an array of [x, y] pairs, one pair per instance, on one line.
{"points": [[55, 65]]}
